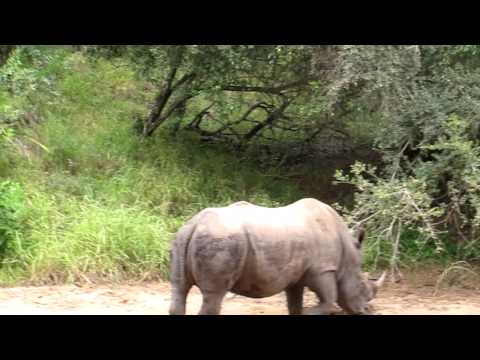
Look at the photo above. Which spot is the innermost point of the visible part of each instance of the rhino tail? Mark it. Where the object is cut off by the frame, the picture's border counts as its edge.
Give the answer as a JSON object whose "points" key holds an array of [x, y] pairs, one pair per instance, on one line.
{"points": [[179, 255]]}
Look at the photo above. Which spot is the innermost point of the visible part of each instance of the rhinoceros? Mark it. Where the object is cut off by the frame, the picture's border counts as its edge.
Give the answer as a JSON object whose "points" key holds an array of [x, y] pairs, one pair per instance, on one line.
{"points": [[258, 252]]}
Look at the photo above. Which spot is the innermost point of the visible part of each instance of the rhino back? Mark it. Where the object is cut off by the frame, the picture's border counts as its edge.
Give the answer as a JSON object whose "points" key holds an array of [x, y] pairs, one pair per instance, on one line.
{"points": [[287, 242], [257, 251], [350, 259]]}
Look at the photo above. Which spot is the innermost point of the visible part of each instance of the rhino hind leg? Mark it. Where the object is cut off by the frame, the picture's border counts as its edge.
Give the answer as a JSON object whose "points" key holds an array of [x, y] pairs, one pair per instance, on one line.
{"points": [[212, 303], [325, 287], [295, 299], [178, 305]]}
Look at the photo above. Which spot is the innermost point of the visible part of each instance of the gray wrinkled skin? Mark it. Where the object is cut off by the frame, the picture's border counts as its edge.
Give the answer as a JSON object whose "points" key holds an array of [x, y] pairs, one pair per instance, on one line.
{"points": [[259, 252]]}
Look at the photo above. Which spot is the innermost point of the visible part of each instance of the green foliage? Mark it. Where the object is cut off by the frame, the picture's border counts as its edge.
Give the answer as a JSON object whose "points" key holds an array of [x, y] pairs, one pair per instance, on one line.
{"points": [[456, 161], [72, 239], [69, 125], [390, 207], [11, 207], [28, 79], [31, 69], [102, 205], [5, 51], [333, 92], [6, 138], [264, 94], [441, 196]]}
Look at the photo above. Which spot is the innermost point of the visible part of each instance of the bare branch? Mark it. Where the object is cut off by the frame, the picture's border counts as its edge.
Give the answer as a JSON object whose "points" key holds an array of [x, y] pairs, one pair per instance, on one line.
{"points": [[195, 123], [258, 105], [273, 116], [267, 89], [286, 128], [396, 243], [314, 135]]}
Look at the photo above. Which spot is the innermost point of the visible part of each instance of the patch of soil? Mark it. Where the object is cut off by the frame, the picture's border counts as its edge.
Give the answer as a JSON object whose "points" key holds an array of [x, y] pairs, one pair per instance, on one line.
{"points": [[413, 296]]}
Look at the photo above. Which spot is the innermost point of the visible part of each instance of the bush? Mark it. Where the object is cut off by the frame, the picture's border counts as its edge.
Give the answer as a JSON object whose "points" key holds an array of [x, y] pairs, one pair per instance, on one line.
{"points": [[434, 201], [389, 207], [453, 174]]}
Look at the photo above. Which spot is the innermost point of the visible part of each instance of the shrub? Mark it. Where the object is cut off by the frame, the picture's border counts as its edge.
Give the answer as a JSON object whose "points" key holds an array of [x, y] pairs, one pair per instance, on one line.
{"points": [[436, 200]]}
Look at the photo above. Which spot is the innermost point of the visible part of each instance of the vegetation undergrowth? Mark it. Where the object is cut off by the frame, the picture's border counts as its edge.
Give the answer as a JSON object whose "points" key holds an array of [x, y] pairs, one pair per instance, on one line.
{"points": [[105, 151], [98, 203]]}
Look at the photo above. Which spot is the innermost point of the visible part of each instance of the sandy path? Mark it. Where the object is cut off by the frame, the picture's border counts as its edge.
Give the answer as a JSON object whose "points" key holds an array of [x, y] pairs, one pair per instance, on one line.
{"points": [[154, 299]]}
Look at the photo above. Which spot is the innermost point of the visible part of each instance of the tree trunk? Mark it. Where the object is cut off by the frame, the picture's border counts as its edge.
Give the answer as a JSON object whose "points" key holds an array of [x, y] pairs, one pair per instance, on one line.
{"points": [[5, 51], [160, 112]]}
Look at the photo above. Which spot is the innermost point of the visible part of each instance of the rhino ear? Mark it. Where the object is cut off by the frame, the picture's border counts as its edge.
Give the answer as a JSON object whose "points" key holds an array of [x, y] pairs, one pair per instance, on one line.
{"points": [[360, 235]]}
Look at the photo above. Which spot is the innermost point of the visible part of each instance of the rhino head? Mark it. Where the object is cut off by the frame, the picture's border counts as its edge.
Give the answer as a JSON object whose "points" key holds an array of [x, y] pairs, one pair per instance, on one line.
{"points": [[355, 294], [356, 289], [371, 284]]}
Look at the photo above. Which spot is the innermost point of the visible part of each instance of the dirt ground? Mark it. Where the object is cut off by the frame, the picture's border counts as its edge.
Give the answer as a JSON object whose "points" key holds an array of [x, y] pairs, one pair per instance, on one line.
{"points": [[412, 296]]}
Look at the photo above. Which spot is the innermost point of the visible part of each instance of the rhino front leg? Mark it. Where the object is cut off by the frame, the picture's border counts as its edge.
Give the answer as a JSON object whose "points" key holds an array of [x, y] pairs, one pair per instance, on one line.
{"points": [[212, 303], [325, 287], [295, 299]]}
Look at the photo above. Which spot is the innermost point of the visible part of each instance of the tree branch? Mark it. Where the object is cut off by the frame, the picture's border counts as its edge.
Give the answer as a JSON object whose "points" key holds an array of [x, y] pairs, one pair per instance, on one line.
{"points": [[155, 117], [273, 116], [267, 89], [195, 123], [258, 105], [153, 126], [185, 78]]}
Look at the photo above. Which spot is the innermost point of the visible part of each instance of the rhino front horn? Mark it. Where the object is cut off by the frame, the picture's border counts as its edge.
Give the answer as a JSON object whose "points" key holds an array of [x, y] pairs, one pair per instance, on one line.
{"points": [[381, 280]]}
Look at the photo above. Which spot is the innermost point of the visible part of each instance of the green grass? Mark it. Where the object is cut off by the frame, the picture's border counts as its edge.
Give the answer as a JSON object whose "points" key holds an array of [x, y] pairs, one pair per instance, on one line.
{"points": [[101, 205], [81, 239]]}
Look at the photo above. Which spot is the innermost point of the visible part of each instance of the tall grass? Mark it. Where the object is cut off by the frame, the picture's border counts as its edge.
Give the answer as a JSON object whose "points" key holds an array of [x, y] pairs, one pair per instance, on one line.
{"points": [[101, 205]]}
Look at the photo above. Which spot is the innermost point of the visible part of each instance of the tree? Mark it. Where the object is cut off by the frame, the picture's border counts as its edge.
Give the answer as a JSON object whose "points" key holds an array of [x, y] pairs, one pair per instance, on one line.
{"points": [[431, 147]]}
